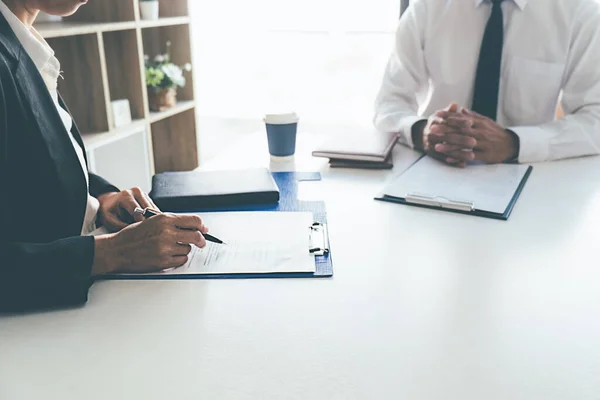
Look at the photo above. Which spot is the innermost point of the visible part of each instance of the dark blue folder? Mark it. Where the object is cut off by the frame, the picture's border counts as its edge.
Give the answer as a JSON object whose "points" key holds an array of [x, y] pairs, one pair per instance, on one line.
{"points": [[288, 201]]}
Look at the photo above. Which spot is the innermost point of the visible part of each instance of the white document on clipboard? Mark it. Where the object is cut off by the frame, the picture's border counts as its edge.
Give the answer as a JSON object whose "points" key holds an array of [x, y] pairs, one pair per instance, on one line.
{"points": [[255, 242], [489, 188]]}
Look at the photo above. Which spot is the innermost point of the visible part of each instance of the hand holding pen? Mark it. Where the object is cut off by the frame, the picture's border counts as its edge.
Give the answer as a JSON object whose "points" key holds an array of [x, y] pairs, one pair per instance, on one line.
{"points": [[161, 242], [148, 213]]}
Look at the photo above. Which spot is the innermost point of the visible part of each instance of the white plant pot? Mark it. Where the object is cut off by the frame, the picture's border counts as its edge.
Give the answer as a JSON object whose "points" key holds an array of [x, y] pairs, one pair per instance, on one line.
{"points": [[149, 10]]}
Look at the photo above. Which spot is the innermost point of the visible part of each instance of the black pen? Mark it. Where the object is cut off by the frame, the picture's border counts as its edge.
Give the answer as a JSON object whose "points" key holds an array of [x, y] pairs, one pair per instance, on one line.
{"points": [[147, 213]]}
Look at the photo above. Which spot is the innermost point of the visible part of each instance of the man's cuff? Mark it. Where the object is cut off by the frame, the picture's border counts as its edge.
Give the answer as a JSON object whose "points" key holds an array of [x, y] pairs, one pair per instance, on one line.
{"points": [[406, 125], [534, 143]]}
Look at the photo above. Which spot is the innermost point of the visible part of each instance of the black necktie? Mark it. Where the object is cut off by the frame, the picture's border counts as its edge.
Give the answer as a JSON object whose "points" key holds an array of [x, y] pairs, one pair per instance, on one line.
{"points": [[487, 82]]}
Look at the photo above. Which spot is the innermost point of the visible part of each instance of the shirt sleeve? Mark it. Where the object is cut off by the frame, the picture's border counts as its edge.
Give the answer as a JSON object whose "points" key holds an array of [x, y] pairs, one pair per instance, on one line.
{"points": [[578, 133], [396, 105]]}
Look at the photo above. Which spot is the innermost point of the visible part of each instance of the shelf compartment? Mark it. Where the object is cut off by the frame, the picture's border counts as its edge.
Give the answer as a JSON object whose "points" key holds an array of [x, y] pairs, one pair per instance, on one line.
{"points": [[173, 8], [124, 70], [155, 42], [82, 87], [174, 143]]}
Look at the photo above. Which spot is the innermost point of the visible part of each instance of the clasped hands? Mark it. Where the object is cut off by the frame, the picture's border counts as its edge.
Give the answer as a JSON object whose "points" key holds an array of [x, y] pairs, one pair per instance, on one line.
{"points": [[457, 136]]}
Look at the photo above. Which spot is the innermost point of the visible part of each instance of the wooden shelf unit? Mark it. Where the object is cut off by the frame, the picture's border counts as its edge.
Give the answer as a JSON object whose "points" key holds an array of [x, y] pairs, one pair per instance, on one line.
{"points": [[101, 49]]}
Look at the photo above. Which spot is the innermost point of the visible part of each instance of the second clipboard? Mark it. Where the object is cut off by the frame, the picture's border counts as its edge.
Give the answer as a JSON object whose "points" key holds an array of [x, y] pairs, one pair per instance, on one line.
{"points": [[489, 191]]}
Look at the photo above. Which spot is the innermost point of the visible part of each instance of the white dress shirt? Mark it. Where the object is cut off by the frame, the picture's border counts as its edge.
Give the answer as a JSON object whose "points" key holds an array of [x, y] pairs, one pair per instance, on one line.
{"points": [[49, 66], [551, 51]]}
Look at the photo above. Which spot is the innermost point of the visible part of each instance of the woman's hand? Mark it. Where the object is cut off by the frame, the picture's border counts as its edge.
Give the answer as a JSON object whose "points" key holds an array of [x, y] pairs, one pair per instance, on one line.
{"points": [[116, 209], [158, 243]]}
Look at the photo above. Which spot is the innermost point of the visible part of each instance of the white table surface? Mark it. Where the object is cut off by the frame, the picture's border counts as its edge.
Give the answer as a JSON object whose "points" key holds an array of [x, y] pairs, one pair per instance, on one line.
{"points": [[423, 305]]}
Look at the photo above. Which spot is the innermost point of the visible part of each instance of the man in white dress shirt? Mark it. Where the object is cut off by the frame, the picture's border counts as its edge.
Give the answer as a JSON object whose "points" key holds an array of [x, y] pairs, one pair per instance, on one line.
{"points": [[480, 80]]}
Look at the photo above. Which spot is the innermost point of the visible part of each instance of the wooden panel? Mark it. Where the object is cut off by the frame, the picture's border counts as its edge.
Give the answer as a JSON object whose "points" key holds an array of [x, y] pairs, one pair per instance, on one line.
{"points": [[105, 85], [174, 143], [82, 86], [124, 73], [105, 11], [173, 8], [140, 45], [155, 40], [149, 148]]}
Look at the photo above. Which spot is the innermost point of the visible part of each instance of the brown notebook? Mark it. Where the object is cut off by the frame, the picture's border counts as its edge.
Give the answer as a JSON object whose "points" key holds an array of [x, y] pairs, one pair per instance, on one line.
{"points": [[387, 164], [374, 147]]}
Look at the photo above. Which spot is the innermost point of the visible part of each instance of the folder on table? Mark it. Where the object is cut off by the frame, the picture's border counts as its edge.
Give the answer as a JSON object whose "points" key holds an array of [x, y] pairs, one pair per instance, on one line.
{"points": [[192, 190], [388, 163], [482, 190], [369, 149]]}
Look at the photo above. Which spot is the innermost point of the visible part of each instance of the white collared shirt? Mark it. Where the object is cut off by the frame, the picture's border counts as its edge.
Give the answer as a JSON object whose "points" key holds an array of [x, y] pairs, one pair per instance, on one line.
{"points": [[551, 51], [49, 66]]}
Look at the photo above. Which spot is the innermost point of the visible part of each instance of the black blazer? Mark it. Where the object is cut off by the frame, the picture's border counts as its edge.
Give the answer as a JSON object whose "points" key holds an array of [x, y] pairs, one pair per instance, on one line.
{"points": [[44, 262]]}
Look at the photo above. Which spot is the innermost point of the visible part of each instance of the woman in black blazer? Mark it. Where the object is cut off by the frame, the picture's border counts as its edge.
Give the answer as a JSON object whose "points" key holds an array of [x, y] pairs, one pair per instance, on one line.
{"points": [[44, 260]]}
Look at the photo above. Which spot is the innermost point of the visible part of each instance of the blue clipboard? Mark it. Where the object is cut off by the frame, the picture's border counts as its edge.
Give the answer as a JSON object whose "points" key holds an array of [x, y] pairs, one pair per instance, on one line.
{"points": [[288, 202]]}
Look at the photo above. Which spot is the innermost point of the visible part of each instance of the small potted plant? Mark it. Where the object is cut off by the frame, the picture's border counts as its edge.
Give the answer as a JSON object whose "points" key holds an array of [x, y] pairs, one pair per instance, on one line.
{"points": [[149, 9], [163, 77]]}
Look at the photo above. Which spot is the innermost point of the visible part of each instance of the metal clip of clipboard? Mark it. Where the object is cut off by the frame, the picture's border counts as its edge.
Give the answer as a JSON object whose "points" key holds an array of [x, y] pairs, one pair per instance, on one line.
{"points": [[318, 239], [440, 201]]}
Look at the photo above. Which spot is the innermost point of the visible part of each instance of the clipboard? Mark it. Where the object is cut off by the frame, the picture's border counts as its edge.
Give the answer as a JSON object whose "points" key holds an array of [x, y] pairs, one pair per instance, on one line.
{"points": [[460, 206], [318, 233]]}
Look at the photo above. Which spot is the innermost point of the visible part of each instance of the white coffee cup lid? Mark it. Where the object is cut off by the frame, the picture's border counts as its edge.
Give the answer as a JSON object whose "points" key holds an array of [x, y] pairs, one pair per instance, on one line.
{"points": [[281, 119]]}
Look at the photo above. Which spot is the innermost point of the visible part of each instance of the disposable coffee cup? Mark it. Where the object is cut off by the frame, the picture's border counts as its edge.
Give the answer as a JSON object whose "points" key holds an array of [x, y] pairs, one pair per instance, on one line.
{"points": [[281, 135]]}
